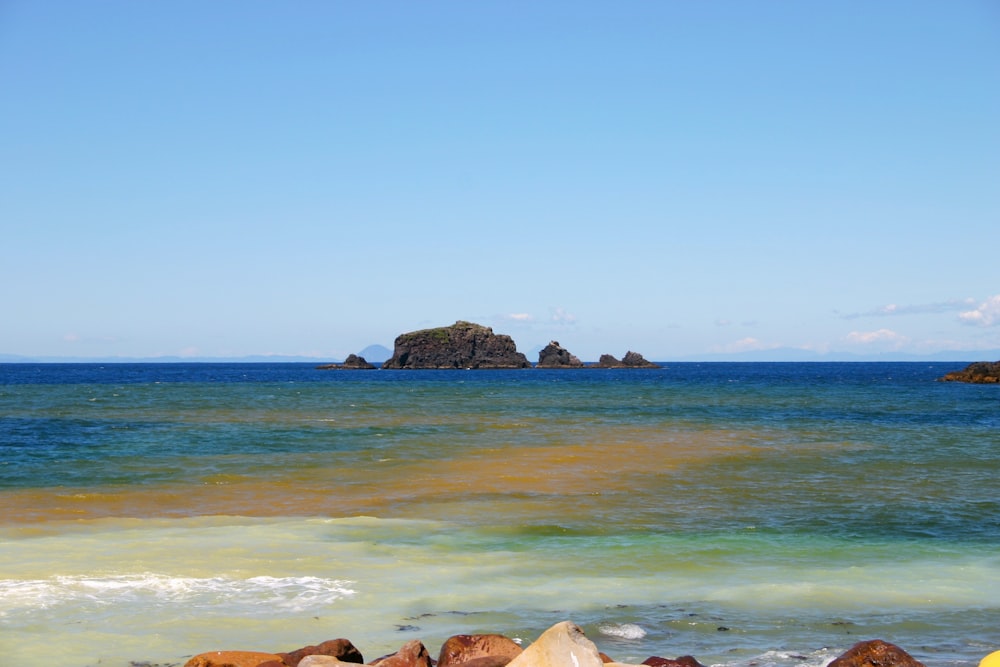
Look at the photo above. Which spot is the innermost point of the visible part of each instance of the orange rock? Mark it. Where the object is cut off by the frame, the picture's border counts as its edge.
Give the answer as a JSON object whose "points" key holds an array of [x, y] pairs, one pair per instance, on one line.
{"points": [[412, 654], [875, 653], [233, 659], [486, 650]]}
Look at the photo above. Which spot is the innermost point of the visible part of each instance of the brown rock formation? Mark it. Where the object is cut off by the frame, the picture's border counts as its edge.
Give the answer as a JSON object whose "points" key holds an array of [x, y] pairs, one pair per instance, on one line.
{"points": [[462, 345], [341, 649], [980, 372], [875, 653], [352, 363], [555, 355], [478, 651], [630, 360]]}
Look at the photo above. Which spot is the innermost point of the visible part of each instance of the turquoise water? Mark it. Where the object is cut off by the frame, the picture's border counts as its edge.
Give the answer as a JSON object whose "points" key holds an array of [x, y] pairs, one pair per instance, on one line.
{"points": [[764, 514]]}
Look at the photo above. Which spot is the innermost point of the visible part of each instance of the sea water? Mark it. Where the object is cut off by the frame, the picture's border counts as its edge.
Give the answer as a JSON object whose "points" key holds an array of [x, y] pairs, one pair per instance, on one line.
{"points": [[747, 514]]}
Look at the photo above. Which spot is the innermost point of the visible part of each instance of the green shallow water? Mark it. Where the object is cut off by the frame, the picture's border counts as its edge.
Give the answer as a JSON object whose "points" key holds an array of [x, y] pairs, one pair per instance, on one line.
{"points": [[748, 514]]}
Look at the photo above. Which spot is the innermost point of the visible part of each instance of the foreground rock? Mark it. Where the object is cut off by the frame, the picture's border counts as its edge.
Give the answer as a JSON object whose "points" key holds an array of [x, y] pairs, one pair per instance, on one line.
{"points": [[412, 654], [337, 650], [562, 645], [875, 653], [352, 363], [630, 360], [462, 345], [980, 372], [555, 355], [478, 651]]}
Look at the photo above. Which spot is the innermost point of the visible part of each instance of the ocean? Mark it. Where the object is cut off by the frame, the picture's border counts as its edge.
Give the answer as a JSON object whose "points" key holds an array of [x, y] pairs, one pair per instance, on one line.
{"points": [[749, 514]]}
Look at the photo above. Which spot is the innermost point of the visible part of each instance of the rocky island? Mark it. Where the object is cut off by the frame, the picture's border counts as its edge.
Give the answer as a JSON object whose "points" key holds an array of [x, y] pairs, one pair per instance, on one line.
{"points": [[352, 363], [461, 345], [555, 355], [630, 360], [980, 372]]}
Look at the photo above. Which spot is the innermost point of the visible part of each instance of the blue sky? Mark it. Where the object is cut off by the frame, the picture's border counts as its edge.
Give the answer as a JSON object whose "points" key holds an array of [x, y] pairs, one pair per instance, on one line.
{"points": [[683, 179]]}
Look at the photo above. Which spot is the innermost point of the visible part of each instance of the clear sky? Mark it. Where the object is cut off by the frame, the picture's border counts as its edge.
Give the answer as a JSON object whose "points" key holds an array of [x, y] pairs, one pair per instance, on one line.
{"points": [[679, 178]]}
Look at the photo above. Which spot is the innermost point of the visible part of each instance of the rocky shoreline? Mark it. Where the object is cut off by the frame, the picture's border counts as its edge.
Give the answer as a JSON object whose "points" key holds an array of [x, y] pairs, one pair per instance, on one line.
{"points": [[980, 372], [466, 345], [562, 645]]}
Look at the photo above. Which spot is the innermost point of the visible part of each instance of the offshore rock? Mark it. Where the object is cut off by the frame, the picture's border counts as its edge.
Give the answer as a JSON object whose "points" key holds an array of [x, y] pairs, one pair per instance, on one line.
{"points": [[352, 363], [462, 345], [562, 645], [233, 659], [340, 649], [875, 653], [555, 355], [630, 360], [980, 372], [478, 651], [411, 654]]}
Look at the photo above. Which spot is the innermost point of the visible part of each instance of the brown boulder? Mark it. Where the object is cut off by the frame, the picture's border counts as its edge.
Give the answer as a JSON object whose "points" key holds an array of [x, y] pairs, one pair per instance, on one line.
{"points": [[875, 653], [233, 659], [411, 654], [462, 345], [341, 649], [482, 650]]}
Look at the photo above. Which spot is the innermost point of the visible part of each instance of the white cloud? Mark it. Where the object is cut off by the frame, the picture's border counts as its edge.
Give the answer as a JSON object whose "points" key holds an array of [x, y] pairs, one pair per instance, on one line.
{"points": [[986, 315], [519, 317], [71, 337], [892, 309], [560, 316], [879, 337]]}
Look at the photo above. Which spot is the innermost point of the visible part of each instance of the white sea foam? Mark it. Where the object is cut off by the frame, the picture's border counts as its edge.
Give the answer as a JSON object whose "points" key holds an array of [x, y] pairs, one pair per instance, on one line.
{"points": [[224, 594], [622, 630]]}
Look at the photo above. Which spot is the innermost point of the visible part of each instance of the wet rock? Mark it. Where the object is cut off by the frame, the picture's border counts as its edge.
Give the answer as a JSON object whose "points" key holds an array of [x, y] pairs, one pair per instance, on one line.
{"points": [[340, 649], [411, 654], [462, 345], [478, 651], [875, 653], [682, 661], [555, 355], [233, 659], [562, 645]]}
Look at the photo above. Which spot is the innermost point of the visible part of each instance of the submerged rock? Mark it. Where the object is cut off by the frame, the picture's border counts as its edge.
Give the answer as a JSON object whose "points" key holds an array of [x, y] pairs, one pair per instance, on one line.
{"points": [[352, 363], [980, 372], [462, 345], [555, 355], [875, 653], [233, 659]]}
